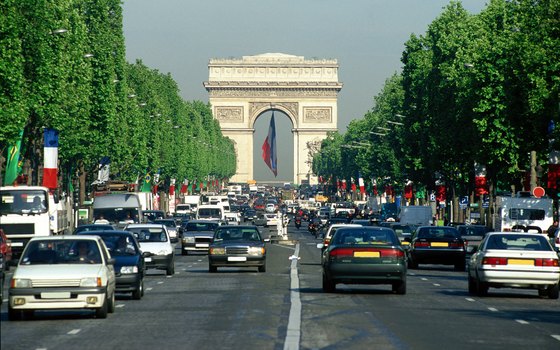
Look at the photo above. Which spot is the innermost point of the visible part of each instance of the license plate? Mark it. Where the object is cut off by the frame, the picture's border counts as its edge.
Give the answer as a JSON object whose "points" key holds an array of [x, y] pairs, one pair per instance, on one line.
{"points": [[17, 244], [521, 262], [236, 258], [202, 245], [440, 244], [366, 254], [55, 295], [147, 259]]}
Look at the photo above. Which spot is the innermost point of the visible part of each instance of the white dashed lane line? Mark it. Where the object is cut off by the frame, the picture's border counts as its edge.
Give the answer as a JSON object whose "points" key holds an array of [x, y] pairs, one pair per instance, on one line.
{"points": [[149, 288], [522, 321], [160, 282], [437, 284], [74, 331], [470, 299], [556, 336], [424, 279], [493, 309], [120, 305]]}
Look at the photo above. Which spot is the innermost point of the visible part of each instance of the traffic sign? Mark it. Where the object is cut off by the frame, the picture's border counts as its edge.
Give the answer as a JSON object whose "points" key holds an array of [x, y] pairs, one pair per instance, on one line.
{"points": [[538, 192]]}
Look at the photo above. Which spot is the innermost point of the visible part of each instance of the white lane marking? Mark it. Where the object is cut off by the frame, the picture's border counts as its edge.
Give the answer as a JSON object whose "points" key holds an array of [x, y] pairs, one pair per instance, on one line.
{"points": [[411, 274], [556, 336], [469, 299], [493, 309], [160, 282], [149, 288], [168, 277], [176, 272], [120, 305], [437, 284], [424, 279], [522, 321], [189, 266], [283, 246], [199, 260], [74, 331], [293, 333]]}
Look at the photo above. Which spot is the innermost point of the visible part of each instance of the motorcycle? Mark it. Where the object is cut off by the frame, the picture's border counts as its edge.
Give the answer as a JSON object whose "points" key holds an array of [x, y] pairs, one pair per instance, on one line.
{"points": [[298, 222]]}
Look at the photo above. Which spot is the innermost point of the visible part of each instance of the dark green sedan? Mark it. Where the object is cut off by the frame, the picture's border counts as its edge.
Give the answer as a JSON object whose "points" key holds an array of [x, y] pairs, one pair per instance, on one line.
{"points": [[364, 255]]}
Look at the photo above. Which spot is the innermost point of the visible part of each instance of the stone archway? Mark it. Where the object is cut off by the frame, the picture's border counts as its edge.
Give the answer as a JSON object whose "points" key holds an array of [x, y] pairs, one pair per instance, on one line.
{"points": [[240, 90]]}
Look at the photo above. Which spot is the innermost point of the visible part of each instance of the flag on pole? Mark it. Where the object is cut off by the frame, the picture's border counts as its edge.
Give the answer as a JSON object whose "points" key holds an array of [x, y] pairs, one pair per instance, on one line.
{"points": [[50, 158], [361, 184], [12, 164], [103, 174], [147, 184], [269, 147]]}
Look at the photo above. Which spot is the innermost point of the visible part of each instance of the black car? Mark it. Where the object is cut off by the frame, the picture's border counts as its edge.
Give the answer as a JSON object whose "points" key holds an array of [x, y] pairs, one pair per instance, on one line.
{"points": [[437, 245], [250, 215], [237, 246], [130, 267], [93, 227]]}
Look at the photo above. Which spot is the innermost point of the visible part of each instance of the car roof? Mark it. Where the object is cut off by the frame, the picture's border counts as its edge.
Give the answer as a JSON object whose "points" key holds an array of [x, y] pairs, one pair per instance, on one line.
{"points": [[105, 232], [144, 225], [87, 236]]}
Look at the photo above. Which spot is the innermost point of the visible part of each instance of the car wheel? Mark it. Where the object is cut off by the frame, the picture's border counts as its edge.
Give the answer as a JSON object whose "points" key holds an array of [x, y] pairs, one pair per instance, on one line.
{"points": [[139, 292], [328, 285], [184, 252], [14, 315], [553, 291], [400, 287], [170, 269], [111, 304], [212, 268], [412, 264], [262, 268], [481, 288], [102, 311]]}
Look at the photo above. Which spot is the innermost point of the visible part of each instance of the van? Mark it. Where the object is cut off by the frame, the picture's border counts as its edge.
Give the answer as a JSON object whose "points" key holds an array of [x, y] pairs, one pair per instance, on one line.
{"points": [[118, 208], [210, 212]]}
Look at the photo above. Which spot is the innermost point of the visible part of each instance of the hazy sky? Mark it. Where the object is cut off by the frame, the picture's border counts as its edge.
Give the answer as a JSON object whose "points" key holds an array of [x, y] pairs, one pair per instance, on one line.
{"points": [[366, 37]]}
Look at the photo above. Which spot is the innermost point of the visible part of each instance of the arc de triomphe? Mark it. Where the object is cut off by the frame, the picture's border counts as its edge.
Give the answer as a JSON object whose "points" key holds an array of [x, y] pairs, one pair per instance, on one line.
{"points": [[240, 90]]}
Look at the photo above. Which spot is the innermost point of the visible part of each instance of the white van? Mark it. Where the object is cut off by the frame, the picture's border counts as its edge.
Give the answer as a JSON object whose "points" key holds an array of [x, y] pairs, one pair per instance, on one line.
{"points": [[210, 212]]}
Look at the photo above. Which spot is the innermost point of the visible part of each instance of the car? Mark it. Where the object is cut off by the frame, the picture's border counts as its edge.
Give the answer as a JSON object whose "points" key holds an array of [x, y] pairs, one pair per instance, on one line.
{"points": [[271, 207], [249, 215], [437, 245], [232, 218], [363, 222], [63, 272], [130, 267], [2, 277], [404, 232], [6, 251], [556, 238], [514, 260], [472, 234], [237, 246], [364, 255], [171, 225], [197, 236], [155, 239], [93, 227], [151, 215]]}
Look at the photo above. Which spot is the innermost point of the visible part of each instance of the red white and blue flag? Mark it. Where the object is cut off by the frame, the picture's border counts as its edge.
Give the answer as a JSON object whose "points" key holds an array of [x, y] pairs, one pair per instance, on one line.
{"points": [[269, 147], [50, 158]]}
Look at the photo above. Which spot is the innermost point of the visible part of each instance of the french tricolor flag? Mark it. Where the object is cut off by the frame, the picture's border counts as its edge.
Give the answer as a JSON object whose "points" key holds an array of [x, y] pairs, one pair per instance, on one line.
{"points": [[50, 158], [269, 147]]}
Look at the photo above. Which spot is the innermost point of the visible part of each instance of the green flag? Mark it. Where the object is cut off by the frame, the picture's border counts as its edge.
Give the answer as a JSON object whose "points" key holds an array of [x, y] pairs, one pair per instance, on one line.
{"points": [[12, 168], [147, 184]]}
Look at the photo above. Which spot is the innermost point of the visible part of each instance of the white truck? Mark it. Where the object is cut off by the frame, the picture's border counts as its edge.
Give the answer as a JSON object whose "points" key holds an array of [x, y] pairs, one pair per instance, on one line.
{"points": [[31, 211], [528, 214], [420, 215]]}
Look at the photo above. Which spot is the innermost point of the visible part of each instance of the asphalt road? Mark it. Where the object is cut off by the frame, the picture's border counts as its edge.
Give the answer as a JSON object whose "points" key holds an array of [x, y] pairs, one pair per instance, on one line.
{"points": [[285, 308]]}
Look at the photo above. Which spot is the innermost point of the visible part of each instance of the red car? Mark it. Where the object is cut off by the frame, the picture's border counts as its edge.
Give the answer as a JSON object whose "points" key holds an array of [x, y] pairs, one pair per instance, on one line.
{"points": [[5, 249]]}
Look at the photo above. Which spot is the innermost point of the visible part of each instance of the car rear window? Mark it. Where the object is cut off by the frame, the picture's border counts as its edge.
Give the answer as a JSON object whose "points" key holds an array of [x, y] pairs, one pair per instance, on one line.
{"points": [[377, 237], [232, 234], [438, 232], [518, 242], [154, 234]]}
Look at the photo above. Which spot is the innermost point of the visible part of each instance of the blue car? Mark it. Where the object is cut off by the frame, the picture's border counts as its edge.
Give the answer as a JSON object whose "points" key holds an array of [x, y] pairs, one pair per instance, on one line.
{"points": [[130, 267]]}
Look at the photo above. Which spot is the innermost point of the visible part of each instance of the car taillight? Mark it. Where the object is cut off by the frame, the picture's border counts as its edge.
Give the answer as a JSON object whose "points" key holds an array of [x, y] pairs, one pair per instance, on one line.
{"points": [[326, 241], [494, 261], [456, 245], [421, 244], [506, 229], [546, 262], [390, 253], [341, 252]]}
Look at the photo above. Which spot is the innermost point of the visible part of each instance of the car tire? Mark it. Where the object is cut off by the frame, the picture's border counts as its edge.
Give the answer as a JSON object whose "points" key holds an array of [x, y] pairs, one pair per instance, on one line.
{"points": [[554, 291], [14, 315], [170, 269], [262, 268], [481, 288], [102, 311], [111, 304], [412, 264], [139, 292], [472, 286], [184, 252], [460, 265], [400, 287], [212, 269], [328, 285]]}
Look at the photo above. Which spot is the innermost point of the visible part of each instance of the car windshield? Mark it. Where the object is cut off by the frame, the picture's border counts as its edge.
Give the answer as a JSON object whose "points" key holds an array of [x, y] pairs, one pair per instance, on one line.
{"points": [[96, 227], [518, 242], [168, 223], [438, 232], [201, 226], [120, 245], [51, 252], [239, 234], [351, 237], [151, 234], [23, 201]]}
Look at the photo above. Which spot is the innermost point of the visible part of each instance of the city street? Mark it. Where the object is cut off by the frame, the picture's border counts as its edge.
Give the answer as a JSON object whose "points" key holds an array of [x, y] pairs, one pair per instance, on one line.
{"points": [[238, 308]]}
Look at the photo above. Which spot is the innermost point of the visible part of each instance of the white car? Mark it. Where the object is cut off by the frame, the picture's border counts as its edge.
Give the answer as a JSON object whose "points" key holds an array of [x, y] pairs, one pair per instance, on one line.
{"points": [[330, 232], [155, 239], [514, 260], [270, 207], [63, 272]]}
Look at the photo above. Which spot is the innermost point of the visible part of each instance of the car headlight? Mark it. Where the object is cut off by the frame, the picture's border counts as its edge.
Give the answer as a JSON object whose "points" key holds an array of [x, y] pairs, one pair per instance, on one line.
{"points": [[217, 251], [129, 269], [91, 282], [256, 250], [21, 283], [188, 239]]}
